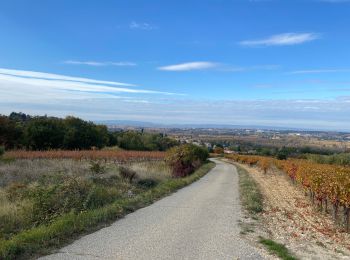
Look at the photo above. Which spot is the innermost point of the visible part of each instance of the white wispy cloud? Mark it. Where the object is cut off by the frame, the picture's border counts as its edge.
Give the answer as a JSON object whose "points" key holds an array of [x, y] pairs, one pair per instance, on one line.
{"points": [[282, 39], [218, 66], [196, 65], [316, 71], [72, 86], [100, 63], [141, 26], [51, 76], [39, 86]]}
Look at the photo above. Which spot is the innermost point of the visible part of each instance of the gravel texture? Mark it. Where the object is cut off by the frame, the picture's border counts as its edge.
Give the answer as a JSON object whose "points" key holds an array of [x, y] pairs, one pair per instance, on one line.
{"points": [[199, 221]]}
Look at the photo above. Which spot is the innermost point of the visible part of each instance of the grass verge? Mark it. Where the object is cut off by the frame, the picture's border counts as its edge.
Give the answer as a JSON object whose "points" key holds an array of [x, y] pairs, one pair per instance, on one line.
{"points": [[251, 197], [252, 201], [42, 239], [278, 249]]}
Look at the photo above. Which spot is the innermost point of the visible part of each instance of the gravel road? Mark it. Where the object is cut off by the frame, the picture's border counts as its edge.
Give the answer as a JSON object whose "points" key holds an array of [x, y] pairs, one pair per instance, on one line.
{"points": [[197, 222]]}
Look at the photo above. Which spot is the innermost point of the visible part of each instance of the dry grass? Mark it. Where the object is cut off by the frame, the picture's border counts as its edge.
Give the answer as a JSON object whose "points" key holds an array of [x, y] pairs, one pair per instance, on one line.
{"points": [[151, 170], [27, 171], [7, 209], [29, 183], [13, 215]]}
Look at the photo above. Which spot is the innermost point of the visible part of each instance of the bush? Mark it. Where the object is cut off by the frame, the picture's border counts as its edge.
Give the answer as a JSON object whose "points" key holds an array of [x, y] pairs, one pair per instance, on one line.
{"points": [[127, 174], [53, 200], [185, 159], [100, 196]]}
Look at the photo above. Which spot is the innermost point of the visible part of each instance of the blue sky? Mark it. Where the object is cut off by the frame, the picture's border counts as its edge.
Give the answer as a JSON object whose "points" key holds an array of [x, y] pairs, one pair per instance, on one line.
{"points": [[240, 62]]}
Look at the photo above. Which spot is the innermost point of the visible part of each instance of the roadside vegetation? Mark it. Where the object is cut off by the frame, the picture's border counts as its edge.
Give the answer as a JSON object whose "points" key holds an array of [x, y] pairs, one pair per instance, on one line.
{"points": [[278, 249], [251, 197], [252, 201], [45, 202]]}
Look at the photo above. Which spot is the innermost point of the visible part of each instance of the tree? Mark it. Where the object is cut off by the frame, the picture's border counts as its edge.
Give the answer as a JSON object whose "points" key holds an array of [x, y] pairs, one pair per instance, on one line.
{"points": [[84, 135], [44, 133], [19, 117], [131, 140], [7, 129]]}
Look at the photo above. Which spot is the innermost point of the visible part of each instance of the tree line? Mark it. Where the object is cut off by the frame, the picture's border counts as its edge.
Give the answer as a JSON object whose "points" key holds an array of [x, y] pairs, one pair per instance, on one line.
{"points": [[21, 131]]}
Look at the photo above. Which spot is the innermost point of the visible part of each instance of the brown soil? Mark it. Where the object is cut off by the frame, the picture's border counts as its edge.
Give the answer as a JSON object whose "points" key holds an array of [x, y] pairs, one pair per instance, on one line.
{"points": [[290, 218]]}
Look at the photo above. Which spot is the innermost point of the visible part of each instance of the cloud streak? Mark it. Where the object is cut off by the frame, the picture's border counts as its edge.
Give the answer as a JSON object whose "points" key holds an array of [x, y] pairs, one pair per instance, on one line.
{"points": [[282, 39], [100, 63], [38, 86], [196, 65], [206, 65], [51, 76]]}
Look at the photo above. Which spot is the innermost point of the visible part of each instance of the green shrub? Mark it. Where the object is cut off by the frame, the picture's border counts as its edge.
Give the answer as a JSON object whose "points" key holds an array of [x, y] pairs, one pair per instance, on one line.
{"points": [[74, 194], [53, 200], [100, 196], [185, 159]]}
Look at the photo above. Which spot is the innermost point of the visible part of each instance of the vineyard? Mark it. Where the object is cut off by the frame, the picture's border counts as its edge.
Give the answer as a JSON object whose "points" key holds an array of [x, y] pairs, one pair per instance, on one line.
{"points": [[86, 155], [326, 184]]}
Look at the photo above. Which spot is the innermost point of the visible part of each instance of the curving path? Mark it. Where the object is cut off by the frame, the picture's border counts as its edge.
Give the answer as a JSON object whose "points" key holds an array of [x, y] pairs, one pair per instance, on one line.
{"points": [[199, 221]]}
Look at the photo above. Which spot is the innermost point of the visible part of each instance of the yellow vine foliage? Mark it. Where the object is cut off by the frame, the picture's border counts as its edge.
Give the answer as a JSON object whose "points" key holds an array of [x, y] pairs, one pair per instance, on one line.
{"points": [[331, 182]]}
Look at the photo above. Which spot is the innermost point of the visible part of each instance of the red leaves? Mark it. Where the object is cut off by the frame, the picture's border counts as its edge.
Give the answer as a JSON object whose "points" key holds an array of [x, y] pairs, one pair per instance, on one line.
{"points": [[85, 154]]}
